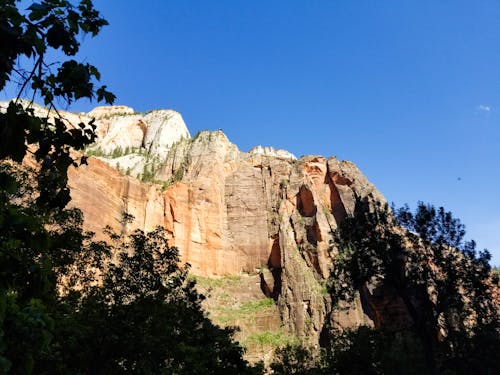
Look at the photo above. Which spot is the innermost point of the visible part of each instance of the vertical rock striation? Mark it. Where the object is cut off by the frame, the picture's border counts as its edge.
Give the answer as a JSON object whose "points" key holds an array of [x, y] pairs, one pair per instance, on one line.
{"points": [[228, 212]]}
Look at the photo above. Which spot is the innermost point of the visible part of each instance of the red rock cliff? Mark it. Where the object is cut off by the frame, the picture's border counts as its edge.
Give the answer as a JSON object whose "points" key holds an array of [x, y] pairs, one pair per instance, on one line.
{"points": [[230, 212]]}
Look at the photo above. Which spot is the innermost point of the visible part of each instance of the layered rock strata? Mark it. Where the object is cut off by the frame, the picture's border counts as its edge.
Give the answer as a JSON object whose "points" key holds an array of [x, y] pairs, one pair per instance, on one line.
{"points": [[230, 212]]}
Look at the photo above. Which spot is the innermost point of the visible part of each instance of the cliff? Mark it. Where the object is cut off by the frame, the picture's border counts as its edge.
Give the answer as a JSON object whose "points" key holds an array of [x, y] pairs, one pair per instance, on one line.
{"points": [[262, 212], [256, 227]]}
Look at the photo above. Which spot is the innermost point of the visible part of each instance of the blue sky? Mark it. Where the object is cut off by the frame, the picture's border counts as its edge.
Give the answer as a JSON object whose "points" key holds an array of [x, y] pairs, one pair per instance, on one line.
{"points": [[408, 90]]}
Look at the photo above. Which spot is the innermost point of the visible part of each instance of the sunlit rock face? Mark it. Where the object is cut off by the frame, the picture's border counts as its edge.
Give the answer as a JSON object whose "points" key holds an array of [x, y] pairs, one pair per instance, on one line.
{"points": [[164, 128], [110, 110], [228, 212], [271, 151], [120, 127]]}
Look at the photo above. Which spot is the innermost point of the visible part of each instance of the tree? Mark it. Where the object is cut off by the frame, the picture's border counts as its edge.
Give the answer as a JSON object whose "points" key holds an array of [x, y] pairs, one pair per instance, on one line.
{"points": [[39, 239], [295, 359], [50, 26], [361, 351], [441, 280], [144, 318]]}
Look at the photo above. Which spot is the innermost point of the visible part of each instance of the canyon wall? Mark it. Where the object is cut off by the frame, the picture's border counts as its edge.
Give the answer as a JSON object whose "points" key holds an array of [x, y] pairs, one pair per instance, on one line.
{"points": [[229, 212]]}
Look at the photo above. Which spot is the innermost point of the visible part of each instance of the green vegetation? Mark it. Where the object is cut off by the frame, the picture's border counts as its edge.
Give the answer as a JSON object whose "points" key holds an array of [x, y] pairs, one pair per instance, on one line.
{"points": [[95, 152], [496, 274], [254, 306], [453, 330], [151, 164], [360, 351], [145, 297], [274, 339], [179, 173], [148, 173], [150, 169], [295, 359], [323, 290], [216, 283], [73, 305], [119, 114], [232, 315], [117, 152], [456, 324], [195, 137]]}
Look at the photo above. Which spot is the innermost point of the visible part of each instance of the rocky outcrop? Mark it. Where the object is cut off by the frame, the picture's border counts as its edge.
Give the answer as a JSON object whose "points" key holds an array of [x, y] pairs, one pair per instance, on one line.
{"points": [[105, 195], [120, 132], [122, 127], [165, 127], [229, 212], [271, 151], [130, 141]]}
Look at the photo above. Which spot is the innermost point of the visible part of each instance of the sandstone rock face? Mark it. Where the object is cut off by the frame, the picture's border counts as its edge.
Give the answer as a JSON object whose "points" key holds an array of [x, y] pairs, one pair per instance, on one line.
{"points": [[120, 132], [112, 110], [119, 127], [231, 212], [105, 195], [165, 127], [271, 151]]}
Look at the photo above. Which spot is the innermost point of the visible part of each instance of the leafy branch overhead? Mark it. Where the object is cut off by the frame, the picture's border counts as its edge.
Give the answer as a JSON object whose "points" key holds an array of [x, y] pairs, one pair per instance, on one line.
{"points": [[28, 37], [49, 25]]}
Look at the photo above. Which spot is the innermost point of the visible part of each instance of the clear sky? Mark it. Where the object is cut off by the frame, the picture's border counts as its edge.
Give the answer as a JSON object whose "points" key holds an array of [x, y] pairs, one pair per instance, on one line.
{"points": [[408, 90]]}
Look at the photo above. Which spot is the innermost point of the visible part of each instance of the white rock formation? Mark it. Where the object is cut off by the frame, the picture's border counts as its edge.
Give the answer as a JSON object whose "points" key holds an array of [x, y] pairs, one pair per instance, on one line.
{"points": [[131, 164], [113, 110], [70, 119], [164, 128], [120, 131], [271, 151]]}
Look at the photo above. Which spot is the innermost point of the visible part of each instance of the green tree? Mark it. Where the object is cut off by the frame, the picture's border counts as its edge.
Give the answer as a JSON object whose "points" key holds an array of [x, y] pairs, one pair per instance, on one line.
{"points": [[144, 318], [443, 283], [366, 350], [360, 351], [38, 248], [39, 238], [295, 359], [28, 37]]}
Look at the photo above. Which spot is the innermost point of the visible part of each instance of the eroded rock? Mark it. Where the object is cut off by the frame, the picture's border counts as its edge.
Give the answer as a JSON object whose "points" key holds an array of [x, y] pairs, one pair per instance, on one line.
{"points": [[229, 212]]}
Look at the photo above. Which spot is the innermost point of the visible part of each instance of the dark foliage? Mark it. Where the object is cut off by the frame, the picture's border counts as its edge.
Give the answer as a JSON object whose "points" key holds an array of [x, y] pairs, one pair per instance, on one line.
{"points": [[441, 280], [295, 359], [352, 352], [145, 318], [27, 37], [39, 239]]}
